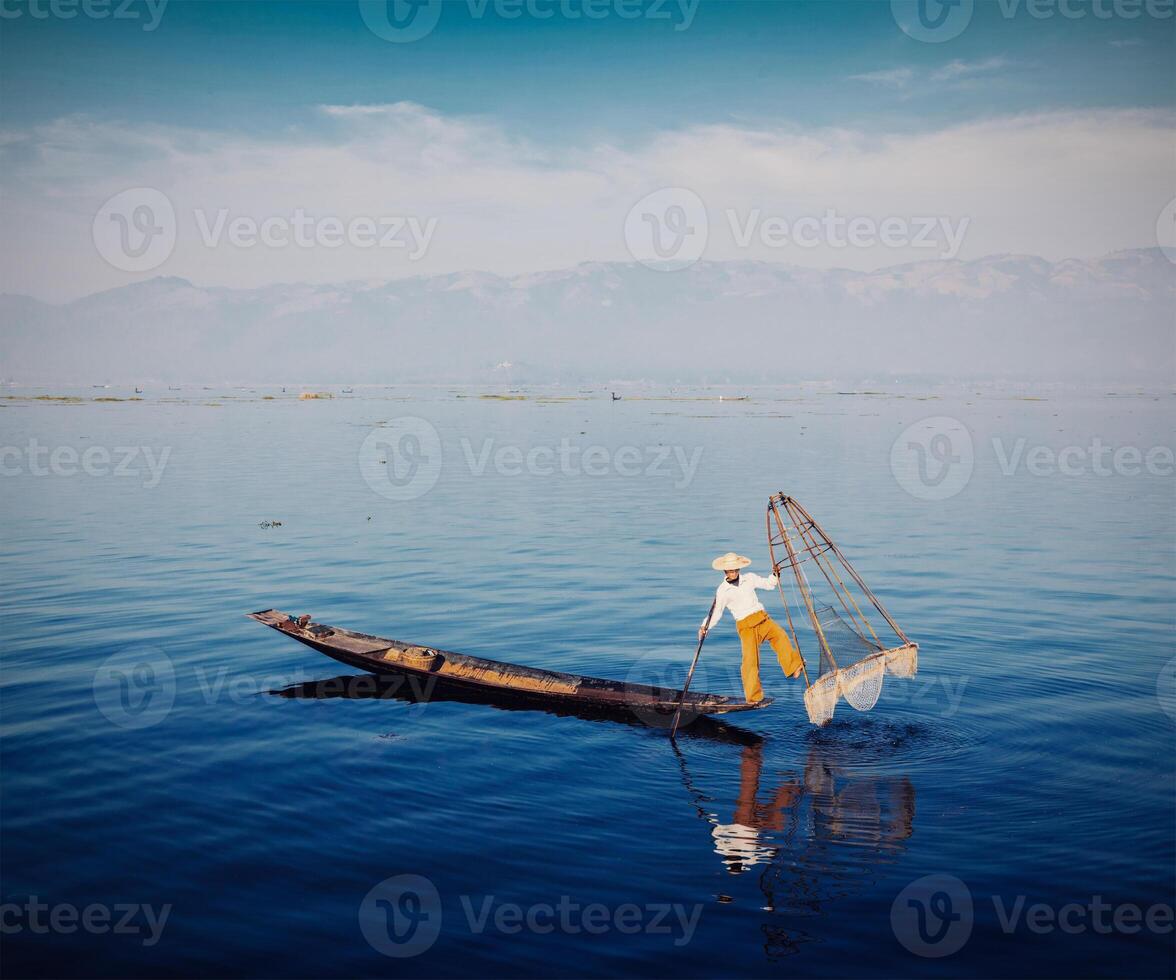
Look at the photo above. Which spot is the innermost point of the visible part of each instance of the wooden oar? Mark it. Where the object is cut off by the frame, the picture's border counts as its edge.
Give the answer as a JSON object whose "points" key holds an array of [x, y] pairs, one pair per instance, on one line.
{"points": [[693, 664]]}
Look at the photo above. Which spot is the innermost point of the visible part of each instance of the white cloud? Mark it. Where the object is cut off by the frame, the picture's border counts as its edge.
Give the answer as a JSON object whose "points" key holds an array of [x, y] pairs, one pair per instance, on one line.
{"points": [[967, 69], [890, 77], [1054, 184]]}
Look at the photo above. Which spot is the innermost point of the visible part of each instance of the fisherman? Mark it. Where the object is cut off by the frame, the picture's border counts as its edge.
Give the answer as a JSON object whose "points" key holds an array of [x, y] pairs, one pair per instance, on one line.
{"points": [[737, 593]]}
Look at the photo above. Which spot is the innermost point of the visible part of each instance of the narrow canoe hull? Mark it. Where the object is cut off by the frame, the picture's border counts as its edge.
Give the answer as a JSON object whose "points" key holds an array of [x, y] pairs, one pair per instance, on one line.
{"points": [[382, 656]]}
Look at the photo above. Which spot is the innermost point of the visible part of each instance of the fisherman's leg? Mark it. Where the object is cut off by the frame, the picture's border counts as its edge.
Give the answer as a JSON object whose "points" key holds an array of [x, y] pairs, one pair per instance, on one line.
{"points": [[785, 651], [752, 691]]}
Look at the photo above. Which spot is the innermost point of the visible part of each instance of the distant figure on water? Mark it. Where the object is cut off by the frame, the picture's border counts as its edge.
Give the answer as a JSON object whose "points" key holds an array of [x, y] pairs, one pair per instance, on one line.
{"points": [[737, 593]]}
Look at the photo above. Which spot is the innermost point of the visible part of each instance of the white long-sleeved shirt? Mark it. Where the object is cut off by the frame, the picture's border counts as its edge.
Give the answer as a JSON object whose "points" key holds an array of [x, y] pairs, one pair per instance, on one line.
{"points": [[741, 598]]}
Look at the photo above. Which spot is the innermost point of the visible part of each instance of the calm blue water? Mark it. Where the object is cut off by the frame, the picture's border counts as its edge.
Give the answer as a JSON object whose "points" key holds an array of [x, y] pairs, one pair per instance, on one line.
{"points": [[147, 764]]}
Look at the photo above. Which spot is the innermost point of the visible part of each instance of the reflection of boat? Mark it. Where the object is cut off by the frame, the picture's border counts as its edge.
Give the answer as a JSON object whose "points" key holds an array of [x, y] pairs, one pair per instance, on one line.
{"points": [[416, 690], [382, 656]]}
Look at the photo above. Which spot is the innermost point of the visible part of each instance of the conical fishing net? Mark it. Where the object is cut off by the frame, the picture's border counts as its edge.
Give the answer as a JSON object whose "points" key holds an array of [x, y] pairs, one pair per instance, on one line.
{"points": [[820, 698], [853, 659]]}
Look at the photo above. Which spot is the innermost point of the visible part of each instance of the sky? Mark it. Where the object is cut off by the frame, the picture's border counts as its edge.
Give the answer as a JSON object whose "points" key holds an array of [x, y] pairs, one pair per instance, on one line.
{"points": [[247, 143]]}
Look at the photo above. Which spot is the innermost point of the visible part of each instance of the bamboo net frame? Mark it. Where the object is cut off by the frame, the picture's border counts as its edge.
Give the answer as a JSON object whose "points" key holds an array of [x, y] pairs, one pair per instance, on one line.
{"points": [[794, 533]]}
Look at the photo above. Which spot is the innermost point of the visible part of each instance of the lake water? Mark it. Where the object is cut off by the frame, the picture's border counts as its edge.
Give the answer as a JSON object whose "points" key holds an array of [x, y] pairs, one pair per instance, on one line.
{"points": [[149, 770]]}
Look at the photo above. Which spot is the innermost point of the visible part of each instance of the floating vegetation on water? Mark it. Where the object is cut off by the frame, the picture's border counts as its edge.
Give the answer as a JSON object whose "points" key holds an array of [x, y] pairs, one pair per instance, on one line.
{"points": [[108, 398], [313, 395], [274, 523], [61, 399], [504, 398]]}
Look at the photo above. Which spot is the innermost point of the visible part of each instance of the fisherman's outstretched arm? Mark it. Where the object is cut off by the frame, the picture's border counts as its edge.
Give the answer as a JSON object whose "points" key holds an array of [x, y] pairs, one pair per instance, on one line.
{"points": [[720, 605], [759, 582]]}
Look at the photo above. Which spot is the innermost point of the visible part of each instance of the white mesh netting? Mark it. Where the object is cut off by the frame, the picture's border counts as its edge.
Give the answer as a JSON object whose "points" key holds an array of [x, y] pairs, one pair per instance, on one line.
{"points": [[820, 699], [903, 661], [861, 683]]}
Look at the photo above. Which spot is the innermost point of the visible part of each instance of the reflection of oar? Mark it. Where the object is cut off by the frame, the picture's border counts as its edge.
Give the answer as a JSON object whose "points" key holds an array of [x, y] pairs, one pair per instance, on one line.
{"points": [[697, 797], [693, 664]]}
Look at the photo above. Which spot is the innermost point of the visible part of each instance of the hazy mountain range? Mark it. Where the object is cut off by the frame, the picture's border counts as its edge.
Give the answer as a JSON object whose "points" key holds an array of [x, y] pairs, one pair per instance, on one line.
{"points": [[1011, 316]]}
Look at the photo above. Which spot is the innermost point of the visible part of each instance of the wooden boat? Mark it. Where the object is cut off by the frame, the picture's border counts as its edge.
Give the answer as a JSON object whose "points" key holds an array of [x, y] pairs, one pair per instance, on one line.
{"points": [[381, 656]]}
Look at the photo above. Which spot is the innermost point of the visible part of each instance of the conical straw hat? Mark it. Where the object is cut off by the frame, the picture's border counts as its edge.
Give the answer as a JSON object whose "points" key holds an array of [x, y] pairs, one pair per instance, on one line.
{"points": [[730, 560]]}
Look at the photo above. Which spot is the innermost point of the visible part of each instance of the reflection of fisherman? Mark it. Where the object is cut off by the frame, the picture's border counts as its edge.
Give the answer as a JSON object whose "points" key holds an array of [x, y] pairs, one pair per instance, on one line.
{"points": [[738, 843], [737, 593], [876, 812]]}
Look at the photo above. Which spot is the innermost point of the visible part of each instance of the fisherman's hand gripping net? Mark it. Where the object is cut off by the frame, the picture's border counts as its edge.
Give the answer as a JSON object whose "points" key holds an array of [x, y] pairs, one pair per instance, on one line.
{"points": [[854, 658]]}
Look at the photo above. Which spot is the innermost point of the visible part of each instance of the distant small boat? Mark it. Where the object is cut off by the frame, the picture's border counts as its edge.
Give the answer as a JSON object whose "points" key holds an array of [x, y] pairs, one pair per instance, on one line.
{"points": [[348, 391], [99, 386], [616, 397], [509, 681], [173, 387], [734, 398], [138, 391]]}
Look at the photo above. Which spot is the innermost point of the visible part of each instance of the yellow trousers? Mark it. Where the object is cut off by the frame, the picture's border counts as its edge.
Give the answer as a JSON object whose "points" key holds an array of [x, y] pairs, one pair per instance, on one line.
{"points": [[753, 630]]}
